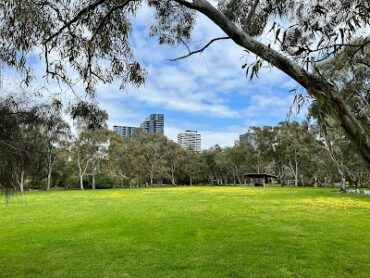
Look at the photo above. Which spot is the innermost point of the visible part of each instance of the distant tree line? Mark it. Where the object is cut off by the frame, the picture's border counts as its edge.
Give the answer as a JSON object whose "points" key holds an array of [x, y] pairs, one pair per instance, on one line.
{"points": [[39, 151]]}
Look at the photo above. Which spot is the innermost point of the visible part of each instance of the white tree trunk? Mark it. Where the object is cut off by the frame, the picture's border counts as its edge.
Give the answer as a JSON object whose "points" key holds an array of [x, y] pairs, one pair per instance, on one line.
{"points": [[315, 181], [81, 174], [50, 171], [173, 180], [339, 168], [21, 183], [343, 184], [81, 182], [295, 172], [50, 168], [49, 181], [296, 168], [151, 175], [296, 176], [93, 178]]}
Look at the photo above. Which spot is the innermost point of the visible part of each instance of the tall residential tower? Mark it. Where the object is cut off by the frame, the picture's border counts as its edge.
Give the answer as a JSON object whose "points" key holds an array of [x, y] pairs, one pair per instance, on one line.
{"points": [[190, 140], [125, 131], [154, 123]]}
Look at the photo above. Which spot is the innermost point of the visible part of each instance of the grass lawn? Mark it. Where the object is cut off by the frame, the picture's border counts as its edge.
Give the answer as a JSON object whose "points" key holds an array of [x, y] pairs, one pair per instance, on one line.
{"points": [[186, 232]]}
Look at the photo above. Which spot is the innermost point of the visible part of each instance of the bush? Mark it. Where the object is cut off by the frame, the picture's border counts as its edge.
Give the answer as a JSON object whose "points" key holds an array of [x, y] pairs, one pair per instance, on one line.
{"points": [[103, 181], [72, 181]]}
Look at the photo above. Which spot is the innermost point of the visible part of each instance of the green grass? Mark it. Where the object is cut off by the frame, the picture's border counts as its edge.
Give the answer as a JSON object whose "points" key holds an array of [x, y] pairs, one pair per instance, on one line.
{"points": [[186, 232]]}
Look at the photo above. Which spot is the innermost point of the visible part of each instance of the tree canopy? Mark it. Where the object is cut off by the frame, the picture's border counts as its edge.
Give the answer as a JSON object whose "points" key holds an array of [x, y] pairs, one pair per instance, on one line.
{"points": [[92, 38]]}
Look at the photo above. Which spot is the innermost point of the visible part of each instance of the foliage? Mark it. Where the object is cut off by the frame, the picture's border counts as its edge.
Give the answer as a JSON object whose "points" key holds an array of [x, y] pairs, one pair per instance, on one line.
{"points": [[350, 72], [90, 40], [22, 124], [300, 154], [104, 182], [92, 37]]}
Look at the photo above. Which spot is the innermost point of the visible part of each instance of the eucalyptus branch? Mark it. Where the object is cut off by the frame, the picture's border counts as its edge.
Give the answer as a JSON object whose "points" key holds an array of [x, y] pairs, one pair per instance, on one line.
{"points": [[251, 12], [75, 19], [187, 4], [200, 50], [338, 46], [13, 147], [108, 14]]}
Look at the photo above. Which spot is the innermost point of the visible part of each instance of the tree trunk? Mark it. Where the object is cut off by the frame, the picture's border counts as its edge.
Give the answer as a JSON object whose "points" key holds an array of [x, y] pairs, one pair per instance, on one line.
{"points": [[295, 172], [211, 179], [173, 181], [238, 176], [49, 172], [296, 168], [93, 178], [191, 181], [21, 183], [50, 167], [234, 174], [81, 182], [80, 171], [316, 86], [315, 181], [357, 183], [282, 176], [151, 177], [343, 184], [339, 169], [49, 181], [296, 180], [93, 174]]}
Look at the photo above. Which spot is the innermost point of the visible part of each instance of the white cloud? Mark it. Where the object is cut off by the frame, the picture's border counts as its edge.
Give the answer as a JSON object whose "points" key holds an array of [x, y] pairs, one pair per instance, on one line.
{"points": [[211, 85], [202, 85]]}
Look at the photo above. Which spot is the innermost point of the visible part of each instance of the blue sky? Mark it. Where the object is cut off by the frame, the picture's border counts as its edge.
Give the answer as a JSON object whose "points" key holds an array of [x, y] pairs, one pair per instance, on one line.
{"points": [[207, 92]]}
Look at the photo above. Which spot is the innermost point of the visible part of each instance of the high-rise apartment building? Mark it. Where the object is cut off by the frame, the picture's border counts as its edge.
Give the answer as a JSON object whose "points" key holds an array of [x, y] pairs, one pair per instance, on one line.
{"points": [[248, 137], [190, 140], [125, 131], [154, 123]]}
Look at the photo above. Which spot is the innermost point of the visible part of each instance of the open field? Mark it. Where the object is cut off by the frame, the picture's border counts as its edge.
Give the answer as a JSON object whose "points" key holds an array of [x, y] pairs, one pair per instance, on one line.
{"points": [[186, 232]]}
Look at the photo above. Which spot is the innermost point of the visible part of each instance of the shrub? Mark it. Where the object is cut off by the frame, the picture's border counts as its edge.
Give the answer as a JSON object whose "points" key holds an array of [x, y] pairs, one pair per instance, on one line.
{"points": [[103, 181]]}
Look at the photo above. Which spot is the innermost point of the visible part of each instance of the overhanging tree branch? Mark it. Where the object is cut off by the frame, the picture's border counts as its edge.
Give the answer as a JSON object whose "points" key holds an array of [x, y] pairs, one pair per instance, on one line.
{"points": [[319, 88], [108, 14], [75, 19], [199, 50], [13, 147], [251, 13], [187, 3]]}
